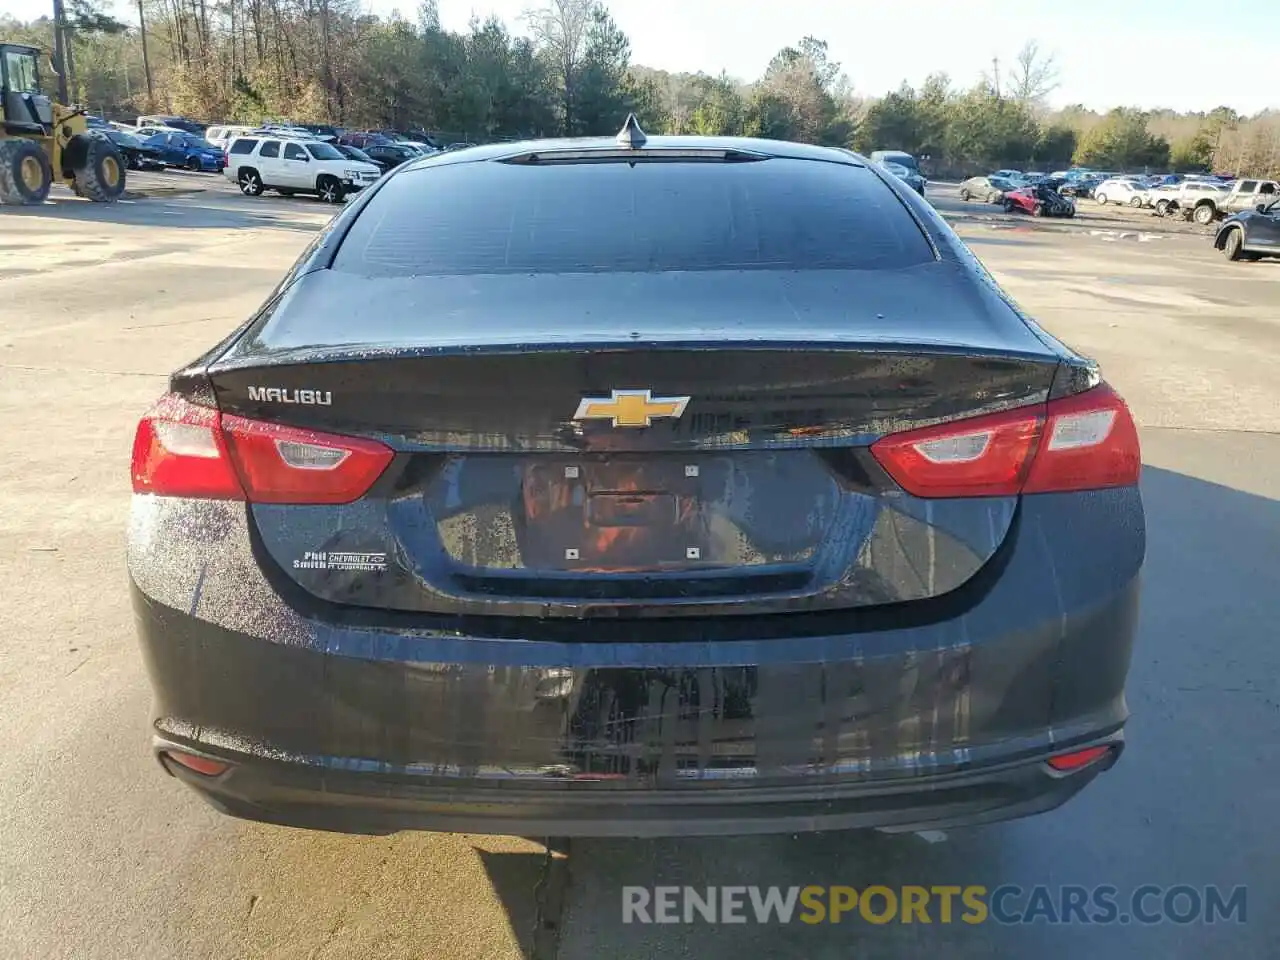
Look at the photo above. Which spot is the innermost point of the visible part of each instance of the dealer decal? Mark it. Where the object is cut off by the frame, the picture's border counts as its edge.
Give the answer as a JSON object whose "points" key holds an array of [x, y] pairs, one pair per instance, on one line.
{"points": [[334, 560]]}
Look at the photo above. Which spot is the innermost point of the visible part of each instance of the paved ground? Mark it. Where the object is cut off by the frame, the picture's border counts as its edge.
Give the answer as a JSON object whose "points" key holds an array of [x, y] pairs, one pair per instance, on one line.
{"points": [[102, 856]]}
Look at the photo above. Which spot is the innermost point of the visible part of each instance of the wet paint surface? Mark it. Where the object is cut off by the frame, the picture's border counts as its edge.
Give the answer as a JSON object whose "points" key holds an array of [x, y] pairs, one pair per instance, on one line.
{"points": [[1016, 636], [755, 532], [784, 510]]}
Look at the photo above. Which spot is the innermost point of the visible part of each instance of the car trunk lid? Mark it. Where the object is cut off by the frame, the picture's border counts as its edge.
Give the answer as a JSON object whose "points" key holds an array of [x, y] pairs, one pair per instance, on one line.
{"points": [[654, 467]]}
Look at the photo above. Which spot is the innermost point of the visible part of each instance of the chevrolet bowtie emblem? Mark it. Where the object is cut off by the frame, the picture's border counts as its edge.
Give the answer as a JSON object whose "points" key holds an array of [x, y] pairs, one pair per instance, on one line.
{"points": [[631, 408]]}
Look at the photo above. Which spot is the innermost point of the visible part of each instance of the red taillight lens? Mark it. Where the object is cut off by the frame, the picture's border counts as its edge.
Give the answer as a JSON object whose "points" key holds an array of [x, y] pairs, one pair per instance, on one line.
{"points": [[179, 451], [1083, 442], [185, 450], [982, 457], [289, 465], [1090, 442]]}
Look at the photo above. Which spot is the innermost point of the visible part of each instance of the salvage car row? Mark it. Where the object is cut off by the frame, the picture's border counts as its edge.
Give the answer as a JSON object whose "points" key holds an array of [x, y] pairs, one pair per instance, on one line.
{"points": [[287, 158], [1035, 194], [1248, 209], [155, 147]]}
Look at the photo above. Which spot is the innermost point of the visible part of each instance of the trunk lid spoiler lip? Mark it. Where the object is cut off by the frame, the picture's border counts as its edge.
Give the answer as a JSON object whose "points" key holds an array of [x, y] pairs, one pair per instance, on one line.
{"points": [[516, 346]]}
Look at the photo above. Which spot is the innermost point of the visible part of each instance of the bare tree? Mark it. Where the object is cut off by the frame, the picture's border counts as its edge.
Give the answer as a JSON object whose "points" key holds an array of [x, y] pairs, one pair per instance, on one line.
{"points": [[59, 49], [560, 28], [1034, 75], [146, 62]]}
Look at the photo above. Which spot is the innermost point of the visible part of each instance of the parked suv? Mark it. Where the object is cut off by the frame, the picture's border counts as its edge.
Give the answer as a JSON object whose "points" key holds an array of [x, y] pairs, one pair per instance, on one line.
{"points": [[290, 166], [1203, 200], [1122, 190], [1247, 195], [1251, 234]]}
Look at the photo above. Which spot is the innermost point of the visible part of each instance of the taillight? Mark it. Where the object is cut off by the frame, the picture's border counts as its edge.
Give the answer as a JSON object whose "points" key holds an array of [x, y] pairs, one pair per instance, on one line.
{"points": [[1084, 442], [983, 457], [179, 451], [289, 465], [1090, 442], [185, 450]]}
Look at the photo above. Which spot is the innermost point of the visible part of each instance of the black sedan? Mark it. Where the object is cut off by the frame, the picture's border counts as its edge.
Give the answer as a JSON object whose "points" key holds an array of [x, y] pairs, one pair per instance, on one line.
{"points": [[138, 154], [355, 153], [1251, 234], [390, 155], [654, 486]]}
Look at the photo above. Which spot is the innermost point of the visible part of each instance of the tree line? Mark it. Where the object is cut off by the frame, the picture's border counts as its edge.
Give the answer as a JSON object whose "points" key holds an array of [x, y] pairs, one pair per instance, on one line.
{"points": [[567, 70]]}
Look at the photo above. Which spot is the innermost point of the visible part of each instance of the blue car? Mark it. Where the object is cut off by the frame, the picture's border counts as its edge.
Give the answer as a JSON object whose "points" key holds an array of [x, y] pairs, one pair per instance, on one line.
{"points": [[187, 150]]}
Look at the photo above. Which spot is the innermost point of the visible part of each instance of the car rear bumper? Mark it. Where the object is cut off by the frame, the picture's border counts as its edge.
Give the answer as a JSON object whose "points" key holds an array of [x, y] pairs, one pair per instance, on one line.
{"points": [[358, 723], [320, 797]]}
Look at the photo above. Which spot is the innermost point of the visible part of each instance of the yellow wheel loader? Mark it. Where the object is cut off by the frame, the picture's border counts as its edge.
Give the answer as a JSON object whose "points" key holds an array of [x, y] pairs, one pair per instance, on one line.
{"points": [[40, 139]]}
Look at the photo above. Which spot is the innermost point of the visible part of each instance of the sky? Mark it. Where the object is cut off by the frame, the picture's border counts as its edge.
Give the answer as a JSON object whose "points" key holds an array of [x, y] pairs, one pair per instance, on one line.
{"points": [[1145, 53]]}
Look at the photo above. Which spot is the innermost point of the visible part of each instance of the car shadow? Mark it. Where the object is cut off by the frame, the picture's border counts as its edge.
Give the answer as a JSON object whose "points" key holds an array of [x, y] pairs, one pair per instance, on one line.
{"points": [[1184, 806], [523, 882], [193, 210]]}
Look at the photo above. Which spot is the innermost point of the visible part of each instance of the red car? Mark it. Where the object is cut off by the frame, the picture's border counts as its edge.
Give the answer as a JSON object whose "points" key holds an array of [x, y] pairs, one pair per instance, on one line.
{"points": [[1039, 201]]}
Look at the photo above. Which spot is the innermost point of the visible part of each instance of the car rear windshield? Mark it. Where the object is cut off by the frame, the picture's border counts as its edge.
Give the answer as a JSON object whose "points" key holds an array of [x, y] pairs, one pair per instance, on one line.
{"points": [[493, 217]]}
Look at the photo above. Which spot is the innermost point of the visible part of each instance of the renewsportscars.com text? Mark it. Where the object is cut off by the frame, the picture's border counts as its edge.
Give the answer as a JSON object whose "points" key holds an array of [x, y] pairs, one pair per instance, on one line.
{"points": [[1008, 904]]}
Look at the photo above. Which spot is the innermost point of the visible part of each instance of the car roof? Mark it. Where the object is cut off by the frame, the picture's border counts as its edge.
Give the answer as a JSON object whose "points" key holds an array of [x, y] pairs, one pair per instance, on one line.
{"points": [[264, 135]]}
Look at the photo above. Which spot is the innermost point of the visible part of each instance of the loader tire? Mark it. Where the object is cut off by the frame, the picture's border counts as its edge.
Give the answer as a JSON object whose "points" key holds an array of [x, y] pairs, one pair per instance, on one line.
{"points": [[97, 167], [25, 174]]}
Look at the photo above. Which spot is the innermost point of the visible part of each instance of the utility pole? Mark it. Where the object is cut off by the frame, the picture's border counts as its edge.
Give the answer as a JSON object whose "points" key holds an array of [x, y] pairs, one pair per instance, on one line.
{"points": [[59, 49], [995, 74]]}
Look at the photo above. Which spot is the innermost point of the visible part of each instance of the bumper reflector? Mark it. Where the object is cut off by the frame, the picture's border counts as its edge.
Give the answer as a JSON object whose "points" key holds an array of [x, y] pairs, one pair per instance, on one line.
{"points": [[1076, 759], [201, 765]]}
